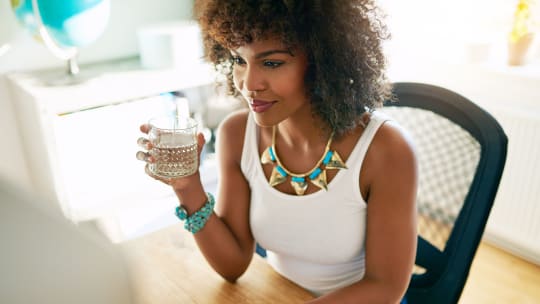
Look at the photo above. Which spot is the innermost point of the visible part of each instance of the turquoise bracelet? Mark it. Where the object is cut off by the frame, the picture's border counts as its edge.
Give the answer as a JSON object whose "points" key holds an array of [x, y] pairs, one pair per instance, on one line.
{"points": [[197, 220]]}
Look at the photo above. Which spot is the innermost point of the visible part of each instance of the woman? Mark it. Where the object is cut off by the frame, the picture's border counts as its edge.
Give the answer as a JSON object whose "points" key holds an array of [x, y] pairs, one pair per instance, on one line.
{"points": [[311, 171]]}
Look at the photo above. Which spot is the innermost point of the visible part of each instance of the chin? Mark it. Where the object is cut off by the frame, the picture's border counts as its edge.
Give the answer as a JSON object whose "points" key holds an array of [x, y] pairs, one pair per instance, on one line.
{"points": [[264, 121]]}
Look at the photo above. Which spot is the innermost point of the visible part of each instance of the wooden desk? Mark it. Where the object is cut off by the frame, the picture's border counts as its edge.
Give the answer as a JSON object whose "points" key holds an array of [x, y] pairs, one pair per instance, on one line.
{"points": [[167, 267]]}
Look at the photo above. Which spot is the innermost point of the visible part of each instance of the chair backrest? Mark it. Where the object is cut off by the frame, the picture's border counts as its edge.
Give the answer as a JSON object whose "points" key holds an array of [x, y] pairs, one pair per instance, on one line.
{"points": [[461, 151]]}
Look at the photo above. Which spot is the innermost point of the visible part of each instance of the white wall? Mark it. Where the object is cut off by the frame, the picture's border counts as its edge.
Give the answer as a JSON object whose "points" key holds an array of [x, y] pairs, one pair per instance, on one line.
{"points": [[451, 30]]}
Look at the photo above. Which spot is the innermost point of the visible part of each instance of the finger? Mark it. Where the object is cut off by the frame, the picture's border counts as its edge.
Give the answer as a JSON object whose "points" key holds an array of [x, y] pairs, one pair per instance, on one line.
{"points": [[144, 156], [144, 143], [145, 128]]}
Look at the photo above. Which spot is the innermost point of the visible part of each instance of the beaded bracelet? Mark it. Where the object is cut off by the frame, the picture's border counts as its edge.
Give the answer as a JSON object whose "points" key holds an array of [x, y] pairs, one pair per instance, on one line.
{"points": [[197, 220]]}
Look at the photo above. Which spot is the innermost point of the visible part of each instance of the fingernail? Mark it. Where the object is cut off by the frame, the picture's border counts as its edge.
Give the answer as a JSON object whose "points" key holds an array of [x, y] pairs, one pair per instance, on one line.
{"points": [[141, 155]]}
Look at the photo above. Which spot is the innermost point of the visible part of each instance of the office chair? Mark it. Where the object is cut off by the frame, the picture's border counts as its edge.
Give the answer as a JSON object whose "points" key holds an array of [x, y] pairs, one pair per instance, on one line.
{"points": [[461, 153]]}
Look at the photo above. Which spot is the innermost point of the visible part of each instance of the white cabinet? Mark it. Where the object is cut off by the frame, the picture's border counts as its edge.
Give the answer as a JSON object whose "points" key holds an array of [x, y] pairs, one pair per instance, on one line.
{"points": [[79, 141]]}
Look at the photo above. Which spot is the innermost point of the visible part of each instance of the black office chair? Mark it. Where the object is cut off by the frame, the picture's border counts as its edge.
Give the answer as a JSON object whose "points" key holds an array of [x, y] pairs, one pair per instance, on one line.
{"points": [[461, 151]]}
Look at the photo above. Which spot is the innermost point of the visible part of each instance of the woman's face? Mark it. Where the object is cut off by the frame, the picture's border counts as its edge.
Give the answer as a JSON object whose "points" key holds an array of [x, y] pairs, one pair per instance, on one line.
{"points": [[271, 78]]}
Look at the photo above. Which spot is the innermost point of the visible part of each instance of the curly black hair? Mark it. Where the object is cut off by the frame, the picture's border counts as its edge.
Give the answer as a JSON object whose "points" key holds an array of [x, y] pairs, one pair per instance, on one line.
{"points": [[342, 40]]}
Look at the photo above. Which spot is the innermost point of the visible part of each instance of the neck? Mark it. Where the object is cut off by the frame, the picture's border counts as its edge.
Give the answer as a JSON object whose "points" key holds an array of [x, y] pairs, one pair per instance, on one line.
{"points": [[302, 133]]}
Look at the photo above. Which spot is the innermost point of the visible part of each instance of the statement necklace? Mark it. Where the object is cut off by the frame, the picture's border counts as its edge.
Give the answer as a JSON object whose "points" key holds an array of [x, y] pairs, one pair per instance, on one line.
{"points": [[317, 175]]}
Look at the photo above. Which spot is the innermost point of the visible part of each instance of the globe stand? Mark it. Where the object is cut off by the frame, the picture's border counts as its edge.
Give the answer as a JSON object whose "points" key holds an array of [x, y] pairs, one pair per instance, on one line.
{"points": [[73, 66], [69, 76], [72, 75]]}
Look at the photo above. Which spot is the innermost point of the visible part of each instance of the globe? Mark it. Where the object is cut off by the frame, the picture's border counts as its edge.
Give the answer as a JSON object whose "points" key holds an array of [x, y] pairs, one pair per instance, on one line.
{"points": [[25, 14], [71, 23], [63, 25]]}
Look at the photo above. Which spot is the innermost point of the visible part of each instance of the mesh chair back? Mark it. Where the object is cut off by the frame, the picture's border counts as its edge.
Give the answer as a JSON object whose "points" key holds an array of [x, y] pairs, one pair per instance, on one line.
{"points": [[447, 156], [461, 152]]}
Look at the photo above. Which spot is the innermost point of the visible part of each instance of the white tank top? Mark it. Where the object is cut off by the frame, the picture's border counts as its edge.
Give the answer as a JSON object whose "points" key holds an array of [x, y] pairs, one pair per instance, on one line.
{"points": [[316, 240]]}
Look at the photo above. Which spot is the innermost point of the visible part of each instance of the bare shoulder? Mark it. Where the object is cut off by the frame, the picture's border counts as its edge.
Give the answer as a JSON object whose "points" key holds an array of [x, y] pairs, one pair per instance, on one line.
{"points": [[391, 156], [230, 134], [394, 142], [234, 125]]}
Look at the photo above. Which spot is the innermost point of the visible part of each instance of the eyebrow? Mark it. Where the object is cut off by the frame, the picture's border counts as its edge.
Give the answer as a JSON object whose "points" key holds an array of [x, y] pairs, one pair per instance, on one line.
{"points": [[272, 52], [269, 52]]}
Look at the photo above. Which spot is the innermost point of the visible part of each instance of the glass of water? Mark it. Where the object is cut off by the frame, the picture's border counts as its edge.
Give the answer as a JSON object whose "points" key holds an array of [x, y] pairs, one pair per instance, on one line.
{"points": [[174, 146]]}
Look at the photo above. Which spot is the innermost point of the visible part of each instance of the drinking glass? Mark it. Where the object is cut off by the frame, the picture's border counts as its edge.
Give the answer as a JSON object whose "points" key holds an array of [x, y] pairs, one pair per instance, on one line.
{"points": [[174, 146]]}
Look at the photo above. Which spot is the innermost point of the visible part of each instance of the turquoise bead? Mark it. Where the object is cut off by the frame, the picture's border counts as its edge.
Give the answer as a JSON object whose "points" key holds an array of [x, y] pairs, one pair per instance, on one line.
{"points": [[281, 171], [181, 213], [298, 179], [327, 157], [197, 220], [315, 173], [272, 156]]}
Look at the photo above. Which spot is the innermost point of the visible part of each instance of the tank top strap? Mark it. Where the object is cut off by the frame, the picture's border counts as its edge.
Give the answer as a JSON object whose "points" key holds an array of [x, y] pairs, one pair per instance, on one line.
{"points": [[249, 159], [377, 119]]}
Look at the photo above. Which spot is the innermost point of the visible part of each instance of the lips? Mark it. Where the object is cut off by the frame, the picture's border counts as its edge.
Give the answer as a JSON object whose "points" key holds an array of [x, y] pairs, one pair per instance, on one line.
{"points": [[260, 106]]}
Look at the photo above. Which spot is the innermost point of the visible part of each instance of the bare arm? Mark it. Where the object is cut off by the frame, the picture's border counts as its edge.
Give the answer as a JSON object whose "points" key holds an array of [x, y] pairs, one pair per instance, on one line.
{"points": [[225, 241], [389, 179]]}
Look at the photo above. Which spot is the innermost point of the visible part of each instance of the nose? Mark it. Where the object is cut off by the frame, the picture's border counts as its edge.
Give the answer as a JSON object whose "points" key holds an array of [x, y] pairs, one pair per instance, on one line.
{"points": [[253, 79]]}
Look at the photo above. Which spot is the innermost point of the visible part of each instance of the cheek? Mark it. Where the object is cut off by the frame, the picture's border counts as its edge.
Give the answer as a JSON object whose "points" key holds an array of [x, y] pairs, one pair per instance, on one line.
{"points": [[295, 82], [294, 85]]}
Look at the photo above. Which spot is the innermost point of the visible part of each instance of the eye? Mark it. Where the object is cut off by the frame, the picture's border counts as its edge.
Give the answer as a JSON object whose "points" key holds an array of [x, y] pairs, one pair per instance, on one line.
{"points": [[272, 64], [237, 60]]}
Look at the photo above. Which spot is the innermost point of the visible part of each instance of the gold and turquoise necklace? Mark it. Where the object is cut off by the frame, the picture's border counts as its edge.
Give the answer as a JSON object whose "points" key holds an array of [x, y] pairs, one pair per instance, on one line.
{"points": [[317, 175]]}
